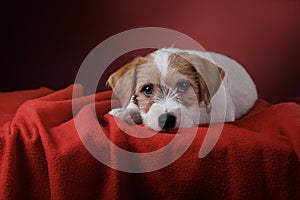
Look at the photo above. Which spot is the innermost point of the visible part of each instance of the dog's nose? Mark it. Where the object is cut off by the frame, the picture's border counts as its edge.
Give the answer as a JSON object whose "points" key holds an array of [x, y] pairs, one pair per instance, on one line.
{"points": [[166, 121]]}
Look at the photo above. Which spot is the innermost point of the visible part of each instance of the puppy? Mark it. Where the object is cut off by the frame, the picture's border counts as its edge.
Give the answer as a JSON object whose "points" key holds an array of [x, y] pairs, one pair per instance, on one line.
{"points": [[172, 88]]}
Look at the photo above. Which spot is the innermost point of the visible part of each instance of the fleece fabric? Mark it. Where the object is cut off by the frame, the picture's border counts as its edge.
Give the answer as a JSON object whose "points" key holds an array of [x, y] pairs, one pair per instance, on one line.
{"points": [[43, 156]]}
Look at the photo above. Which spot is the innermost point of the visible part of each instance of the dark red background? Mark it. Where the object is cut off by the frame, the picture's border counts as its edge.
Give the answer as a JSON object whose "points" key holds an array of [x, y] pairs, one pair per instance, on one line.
{"points": [[44, 42]]}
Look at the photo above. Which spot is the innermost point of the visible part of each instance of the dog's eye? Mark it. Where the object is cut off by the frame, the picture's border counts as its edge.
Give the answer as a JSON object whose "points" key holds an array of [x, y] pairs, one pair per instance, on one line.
{"points": [[183, 86], [147, 90]]}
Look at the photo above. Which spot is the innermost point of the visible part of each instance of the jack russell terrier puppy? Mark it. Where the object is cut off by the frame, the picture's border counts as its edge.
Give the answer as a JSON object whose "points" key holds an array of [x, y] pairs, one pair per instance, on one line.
{"points": [[170, 87]]}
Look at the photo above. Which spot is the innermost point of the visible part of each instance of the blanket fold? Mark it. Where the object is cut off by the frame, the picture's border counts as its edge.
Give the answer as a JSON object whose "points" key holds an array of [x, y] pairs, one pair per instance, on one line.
{"points": [[44, 154]]}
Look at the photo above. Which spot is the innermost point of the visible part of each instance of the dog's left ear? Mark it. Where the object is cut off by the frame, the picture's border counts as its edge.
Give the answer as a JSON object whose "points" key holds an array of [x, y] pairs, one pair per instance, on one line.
{"points": [[210, 78], [123, 81]]}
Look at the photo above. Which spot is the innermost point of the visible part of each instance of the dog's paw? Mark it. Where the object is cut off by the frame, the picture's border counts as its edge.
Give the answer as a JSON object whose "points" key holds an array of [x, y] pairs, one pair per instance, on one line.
{"points": [[130, 116]]}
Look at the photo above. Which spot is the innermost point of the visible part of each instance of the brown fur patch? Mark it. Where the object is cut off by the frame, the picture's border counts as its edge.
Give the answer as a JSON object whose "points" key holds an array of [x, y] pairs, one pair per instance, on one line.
{"points": [[208, 75], [146, 74], [181, 69], [123, 80]]}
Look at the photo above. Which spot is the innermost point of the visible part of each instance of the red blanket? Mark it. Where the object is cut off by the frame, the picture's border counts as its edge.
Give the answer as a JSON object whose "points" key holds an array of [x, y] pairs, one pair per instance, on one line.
{"points": [[43, 157]]}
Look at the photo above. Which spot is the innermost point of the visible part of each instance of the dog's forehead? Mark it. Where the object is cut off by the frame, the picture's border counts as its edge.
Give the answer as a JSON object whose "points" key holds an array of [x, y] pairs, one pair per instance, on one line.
{"points": [[164, 67], [165, 60], [147, 73], [161, 60]]}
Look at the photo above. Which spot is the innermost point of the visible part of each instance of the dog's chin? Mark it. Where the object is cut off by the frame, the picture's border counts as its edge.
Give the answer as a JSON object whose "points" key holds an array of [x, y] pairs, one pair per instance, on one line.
{"points": [[186, 117]]}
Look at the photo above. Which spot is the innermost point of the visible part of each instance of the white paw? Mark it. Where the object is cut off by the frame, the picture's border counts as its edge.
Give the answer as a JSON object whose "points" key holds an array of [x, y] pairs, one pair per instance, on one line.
{"points": [[130, 116]]}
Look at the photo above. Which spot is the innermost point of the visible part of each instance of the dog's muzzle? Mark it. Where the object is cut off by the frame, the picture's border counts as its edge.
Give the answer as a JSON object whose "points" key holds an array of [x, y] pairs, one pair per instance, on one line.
{"points": [[166, 121]]}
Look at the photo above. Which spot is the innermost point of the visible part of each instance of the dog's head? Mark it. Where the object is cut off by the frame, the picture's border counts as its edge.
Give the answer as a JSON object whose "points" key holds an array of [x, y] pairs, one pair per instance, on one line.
{"points": [[167, 86]]}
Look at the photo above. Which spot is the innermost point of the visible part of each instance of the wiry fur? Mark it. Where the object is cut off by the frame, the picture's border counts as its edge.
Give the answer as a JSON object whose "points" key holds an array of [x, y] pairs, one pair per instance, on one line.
{"points": [[214, 79]]}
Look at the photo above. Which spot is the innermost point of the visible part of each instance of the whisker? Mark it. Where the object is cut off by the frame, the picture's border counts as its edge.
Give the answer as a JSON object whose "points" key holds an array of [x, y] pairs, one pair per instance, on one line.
{"points": [[165, 94]]}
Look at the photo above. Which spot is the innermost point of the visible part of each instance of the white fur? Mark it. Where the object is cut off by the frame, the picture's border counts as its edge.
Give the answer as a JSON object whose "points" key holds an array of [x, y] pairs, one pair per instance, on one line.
{"points": [[125, 113], [235, 97], [161, 59]]}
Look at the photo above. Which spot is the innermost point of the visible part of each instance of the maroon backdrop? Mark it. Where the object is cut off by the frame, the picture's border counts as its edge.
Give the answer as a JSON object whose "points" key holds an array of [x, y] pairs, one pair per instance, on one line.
{"points": [[44, 42]]}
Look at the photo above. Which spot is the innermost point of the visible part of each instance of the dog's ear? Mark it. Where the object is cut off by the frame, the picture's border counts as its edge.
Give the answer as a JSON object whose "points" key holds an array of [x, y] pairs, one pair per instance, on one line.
{"points": [[123, 81], [210, 78]]}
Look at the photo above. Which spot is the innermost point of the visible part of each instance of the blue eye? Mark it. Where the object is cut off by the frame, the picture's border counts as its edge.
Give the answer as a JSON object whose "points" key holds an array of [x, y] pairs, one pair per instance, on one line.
{"points": [[183, 86], [147, 90]]}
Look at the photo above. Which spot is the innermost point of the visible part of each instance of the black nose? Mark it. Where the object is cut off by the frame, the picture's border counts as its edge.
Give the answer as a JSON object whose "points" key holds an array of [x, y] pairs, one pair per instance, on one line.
{"points": [[166, 121]]}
